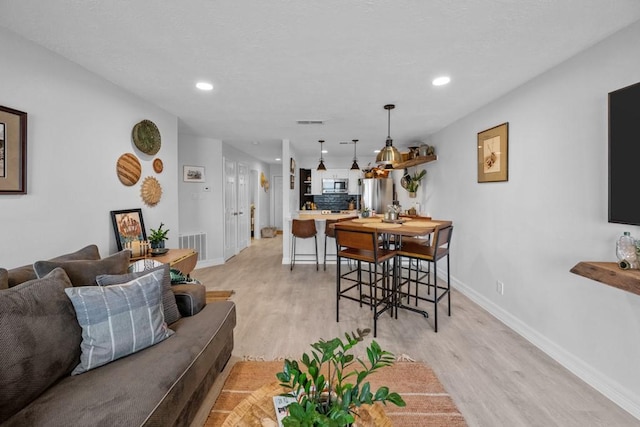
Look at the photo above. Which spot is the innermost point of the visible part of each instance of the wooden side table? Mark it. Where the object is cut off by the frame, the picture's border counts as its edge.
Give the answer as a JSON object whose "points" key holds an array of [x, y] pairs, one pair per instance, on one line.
{"points": [[184, 260], [257, 410]]}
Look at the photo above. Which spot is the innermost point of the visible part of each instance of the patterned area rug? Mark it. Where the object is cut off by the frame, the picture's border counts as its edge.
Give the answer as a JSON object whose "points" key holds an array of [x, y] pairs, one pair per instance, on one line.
{"points": [[428, 403], [219, 295]]}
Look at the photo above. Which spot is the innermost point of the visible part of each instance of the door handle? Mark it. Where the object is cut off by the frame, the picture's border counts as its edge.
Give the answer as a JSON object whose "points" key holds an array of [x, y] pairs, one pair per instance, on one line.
{"points": [[240, 213]]}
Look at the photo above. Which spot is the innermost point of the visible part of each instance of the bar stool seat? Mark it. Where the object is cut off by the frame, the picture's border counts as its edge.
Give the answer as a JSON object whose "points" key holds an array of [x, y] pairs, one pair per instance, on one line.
{"points": [[303, 229], [432, 253], [363, 246]]}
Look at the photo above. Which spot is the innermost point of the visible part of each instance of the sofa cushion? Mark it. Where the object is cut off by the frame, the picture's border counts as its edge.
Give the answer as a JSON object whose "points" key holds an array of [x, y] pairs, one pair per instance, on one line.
{"points": [[171, 313], [39, 339], [22, 274], [4, 278], [84, 272], [118, 320]]}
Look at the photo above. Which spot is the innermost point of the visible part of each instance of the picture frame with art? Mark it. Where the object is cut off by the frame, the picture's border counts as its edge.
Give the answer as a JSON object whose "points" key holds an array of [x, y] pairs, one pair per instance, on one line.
{"points": [[493, 154], [193, 174], [13, 151], [128, 226]]}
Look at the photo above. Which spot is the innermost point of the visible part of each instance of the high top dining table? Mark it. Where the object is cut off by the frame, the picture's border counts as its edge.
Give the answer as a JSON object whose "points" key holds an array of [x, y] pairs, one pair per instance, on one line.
{"points": [[393, 232]]}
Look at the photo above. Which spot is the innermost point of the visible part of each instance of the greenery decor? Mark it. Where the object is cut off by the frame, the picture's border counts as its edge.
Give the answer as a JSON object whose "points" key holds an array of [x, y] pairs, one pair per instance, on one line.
{"points": [[331, 401], [157, 236], [413, 182]]}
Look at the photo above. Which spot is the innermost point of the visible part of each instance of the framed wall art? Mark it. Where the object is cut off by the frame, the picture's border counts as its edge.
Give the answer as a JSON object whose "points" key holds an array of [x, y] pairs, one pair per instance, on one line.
{"points": [[128, 227], [292, 183], [13, 151], [193, 174], [292, 166], [493, 154]]}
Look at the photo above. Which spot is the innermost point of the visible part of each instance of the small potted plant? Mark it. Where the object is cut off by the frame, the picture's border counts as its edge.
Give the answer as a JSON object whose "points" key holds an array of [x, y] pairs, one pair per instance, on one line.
{"points": [[325, 397], [157, 237], [413, 182]]}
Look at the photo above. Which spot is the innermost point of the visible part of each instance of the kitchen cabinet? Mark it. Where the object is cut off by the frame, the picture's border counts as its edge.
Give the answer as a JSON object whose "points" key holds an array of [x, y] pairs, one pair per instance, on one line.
{"points": [[316, 182], [305, 186], [317, 177]]}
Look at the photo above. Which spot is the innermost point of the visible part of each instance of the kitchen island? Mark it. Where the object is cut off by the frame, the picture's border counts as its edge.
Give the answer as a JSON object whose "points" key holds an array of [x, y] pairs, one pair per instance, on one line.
{"points": [[305, 248]]}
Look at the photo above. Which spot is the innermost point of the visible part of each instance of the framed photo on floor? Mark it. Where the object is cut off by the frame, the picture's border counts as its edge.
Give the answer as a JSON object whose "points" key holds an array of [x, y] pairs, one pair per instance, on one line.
{"points": [[128, 227], [13, 151], [493, 154]]}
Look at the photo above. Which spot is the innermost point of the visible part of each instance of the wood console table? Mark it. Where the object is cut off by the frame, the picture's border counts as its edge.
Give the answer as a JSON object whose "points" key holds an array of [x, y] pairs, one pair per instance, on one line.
{"points": [[610, 274], [184, 260]]}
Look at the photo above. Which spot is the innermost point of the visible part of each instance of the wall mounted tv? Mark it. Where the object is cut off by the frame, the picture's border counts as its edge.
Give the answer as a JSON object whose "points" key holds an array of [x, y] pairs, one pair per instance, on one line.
{"points": [[624, 155]]}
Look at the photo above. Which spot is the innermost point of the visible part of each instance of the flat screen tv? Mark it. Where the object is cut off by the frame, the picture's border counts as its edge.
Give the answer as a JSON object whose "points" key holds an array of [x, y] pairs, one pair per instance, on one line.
{"points": [[624, 155]]}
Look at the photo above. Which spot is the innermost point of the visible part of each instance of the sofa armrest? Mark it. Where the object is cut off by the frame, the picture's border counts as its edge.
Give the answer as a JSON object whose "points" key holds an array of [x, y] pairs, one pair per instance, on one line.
{"points": [[191, 298]]}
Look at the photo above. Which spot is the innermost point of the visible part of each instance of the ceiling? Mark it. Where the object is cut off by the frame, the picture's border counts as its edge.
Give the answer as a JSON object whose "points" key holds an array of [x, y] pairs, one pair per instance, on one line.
{"points": [[275, 62]]}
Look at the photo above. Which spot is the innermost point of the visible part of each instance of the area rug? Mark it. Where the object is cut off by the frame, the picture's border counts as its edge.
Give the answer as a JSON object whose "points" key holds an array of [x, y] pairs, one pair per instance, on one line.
{"points": [[428, 403], [219, 295]]}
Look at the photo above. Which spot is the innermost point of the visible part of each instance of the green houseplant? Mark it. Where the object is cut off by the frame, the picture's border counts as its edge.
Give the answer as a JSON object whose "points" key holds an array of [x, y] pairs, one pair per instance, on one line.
{"points": [[413, 182], [157, 237], [325, 397]]}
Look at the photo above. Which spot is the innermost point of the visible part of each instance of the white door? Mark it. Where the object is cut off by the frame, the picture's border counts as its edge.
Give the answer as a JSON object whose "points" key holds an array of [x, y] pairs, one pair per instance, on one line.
{"points": [[277, 202], [230, 210], [244, 210]]}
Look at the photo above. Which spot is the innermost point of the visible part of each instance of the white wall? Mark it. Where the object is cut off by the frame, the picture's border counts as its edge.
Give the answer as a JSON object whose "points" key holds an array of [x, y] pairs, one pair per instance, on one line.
{"points": [[551, 214], [203, 211], [78, 126]]}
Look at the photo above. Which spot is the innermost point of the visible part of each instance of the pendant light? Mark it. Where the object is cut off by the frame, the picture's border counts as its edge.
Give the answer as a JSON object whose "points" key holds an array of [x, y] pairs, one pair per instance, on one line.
{"points": [[354, 166], [321, 166], [389, 156]]}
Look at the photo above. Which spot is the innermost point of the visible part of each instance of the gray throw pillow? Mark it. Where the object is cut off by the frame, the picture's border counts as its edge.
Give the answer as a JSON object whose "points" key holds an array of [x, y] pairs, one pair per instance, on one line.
{"points": [[4, 278], [118, 320], [169, 305], [84, 272], [39, 339], [22, 274]]}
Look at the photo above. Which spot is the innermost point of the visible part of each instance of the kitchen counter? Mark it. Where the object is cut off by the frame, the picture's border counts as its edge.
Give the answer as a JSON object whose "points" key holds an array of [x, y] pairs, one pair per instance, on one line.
{"points": [[319, 216]]}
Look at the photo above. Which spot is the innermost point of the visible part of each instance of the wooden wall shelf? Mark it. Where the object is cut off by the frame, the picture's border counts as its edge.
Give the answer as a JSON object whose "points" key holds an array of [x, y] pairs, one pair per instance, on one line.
{"points": [[610, 274], [416, 161]]}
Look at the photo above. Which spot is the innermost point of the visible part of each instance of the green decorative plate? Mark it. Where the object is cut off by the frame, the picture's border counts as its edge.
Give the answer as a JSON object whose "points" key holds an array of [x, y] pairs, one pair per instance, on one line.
{"points": [[146, 136]]}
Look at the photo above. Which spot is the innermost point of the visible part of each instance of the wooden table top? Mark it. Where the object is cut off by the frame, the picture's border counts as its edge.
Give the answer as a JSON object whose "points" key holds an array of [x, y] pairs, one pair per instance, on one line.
{"points": [[410, 227]]}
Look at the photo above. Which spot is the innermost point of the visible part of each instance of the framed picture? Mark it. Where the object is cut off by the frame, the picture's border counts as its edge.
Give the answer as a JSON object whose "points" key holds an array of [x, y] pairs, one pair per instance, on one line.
{"points": [[193, 174], [493, 154], [292, 184], [128, 227], [13, 151], [292, 166]]}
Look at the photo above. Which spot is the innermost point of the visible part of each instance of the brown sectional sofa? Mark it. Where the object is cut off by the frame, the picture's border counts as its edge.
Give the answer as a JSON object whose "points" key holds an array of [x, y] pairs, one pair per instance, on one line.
{"points": [[162, 385]]}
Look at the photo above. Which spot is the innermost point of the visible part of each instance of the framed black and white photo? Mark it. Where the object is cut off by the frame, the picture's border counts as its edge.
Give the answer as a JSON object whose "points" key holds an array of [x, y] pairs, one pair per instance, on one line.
{"points": [[193, 174]]}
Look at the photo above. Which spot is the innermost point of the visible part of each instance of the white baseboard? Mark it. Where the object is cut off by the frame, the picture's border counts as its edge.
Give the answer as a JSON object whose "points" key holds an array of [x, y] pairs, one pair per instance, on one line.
{"points": [[618, 394]]}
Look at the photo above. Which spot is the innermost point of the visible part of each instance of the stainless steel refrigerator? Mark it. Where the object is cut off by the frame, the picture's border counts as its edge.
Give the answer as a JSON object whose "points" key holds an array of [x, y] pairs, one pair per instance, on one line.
{"points": [[377, 193]]}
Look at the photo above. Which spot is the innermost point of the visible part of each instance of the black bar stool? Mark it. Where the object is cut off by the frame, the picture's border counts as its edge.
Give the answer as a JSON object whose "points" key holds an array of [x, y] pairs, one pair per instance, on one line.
{"points": [[432, 254], [363, 246], [303, 229]]}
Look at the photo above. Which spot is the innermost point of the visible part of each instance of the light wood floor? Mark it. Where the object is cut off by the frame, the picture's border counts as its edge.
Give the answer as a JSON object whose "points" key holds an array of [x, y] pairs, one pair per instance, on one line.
{"points": [[496, 377]]}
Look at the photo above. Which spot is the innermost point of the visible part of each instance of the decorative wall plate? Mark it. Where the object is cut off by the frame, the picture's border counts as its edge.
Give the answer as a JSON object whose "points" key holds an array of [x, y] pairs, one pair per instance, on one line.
{"points": [[146, 136], [158, 166], [128, 169], [151, 191]]}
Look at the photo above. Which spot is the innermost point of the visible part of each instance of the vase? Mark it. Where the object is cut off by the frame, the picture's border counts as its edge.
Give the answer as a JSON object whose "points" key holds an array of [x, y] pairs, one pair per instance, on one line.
{"points": [[412, 194], [157, 245]]}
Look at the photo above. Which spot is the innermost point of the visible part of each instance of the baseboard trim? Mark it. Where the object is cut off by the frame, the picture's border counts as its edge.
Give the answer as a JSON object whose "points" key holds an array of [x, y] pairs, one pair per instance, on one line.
{"points": [[209, 262], [618, 394]]}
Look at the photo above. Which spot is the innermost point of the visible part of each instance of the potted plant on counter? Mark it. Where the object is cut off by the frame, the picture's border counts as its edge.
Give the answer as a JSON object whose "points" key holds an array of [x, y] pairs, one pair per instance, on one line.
{"points": [[157, 237], [325, 397]]}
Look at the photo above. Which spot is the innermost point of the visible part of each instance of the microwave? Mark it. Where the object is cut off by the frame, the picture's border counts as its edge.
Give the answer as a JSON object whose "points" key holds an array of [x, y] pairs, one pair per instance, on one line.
{"points": [[335, 185]]}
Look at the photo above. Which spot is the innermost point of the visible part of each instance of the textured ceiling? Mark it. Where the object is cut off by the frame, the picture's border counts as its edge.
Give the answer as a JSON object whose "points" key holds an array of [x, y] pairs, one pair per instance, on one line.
{"points": [[278, 61]]}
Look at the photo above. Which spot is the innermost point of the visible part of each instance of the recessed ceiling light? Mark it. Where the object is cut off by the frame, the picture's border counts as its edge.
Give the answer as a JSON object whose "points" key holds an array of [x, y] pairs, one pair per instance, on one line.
{"points": [[278, 159], [324, 151], [440, 81], [376, 151], [204, 86]]}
